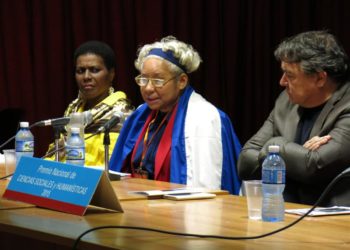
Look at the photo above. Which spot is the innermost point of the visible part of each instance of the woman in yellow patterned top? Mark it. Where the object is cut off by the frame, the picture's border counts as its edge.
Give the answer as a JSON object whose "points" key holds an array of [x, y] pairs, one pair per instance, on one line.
{"points": [[94, 74]]}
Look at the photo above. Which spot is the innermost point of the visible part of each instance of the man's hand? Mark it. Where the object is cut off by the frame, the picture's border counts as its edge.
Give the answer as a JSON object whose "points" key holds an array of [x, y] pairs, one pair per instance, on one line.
{"points": [[316, 142]]}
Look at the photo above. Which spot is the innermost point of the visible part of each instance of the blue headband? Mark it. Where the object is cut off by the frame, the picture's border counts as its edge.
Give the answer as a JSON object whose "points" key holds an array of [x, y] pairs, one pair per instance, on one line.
{"points": [[167, 55]]}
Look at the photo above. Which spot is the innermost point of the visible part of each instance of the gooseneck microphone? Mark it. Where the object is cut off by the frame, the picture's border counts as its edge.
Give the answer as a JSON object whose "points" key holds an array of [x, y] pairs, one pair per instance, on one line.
{"points": [[63, 121], [114, 120], [54, 122], [85, 119]]}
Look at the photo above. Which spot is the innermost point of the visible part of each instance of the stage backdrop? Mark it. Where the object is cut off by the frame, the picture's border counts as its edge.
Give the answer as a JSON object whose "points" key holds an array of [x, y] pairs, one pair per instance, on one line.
{"points": [[236, 39]]}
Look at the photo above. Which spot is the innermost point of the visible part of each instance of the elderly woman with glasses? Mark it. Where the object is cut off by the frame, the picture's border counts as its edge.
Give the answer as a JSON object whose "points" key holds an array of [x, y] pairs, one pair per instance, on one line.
{"points": [[176, 135]]}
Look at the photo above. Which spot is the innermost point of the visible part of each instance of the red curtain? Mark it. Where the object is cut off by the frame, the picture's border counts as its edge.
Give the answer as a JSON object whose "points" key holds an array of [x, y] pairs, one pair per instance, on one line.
{"points": [[235, 38]]}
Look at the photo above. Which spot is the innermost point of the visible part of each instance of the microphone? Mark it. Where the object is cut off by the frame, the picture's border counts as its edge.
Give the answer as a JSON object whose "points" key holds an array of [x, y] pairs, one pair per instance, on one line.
{"points": [[54, 122], [115, 119], [86, 117]]}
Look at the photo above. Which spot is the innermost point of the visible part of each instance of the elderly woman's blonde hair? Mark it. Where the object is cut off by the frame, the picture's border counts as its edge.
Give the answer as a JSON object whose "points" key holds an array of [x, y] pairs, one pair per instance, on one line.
{"points": [[184, 53]]}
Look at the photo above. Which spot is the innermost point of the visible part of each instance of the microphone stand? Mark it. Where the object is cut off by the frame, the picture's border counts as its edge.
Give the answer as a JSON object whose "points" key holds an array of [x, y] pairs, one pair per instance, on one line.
{"points": [[106, 142], [57, 134]]}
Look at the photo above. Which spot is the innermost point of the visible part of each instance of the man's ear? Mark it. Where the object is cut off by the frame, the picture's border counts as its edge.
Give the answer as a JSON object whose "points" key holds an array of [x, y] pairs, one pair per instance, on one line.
{"points": [[322, 78]]}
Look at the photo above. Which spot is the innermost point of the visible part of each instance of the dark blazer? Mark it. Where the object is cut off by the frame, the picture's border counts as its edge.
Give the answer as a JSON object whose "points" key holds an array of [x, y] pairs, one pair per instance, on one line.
{"points": [[308, 172]]}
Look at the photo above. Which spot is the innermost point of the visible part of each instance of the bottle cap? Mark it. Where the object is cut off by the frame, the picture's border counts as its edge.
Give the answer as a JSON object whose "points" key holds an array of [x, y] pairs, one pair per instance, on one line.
{"points": [[75, 130], [274, 149], [24, 124]]}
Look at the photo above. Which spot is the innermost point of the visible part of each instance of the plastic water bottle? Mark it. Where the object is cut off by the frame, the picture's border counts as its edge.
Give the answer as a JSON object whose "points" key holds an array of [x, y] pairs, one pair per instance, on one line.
{"points": [[75, 148], [24, 141], [273, 183]]}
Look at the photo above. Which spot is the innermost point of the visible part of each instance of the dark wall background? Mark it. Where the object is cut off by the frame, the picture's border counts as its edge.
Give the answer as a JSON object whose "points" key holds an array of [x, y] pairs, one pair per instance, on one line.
{"points": [[235, 38]]}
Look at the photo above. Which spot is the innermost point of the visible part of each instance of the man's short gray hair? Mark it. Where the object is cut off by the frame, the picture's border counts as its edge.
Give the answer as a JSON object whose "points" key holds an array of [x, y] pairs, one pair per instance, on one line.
{"points": [[316, 51]]}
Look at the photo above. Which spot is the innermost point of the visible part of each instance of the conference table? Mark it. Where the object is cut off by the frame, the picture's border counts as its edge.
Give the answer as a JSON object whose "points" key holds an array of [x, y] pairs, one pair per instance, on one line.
{"points": [[25, 226]]}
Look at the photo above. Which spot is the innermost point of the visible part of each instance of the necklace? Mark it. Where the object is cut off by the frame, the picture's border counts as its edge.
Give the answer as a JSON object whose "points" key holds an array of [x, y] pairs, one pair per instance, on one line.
{"points": [[140, 172]]}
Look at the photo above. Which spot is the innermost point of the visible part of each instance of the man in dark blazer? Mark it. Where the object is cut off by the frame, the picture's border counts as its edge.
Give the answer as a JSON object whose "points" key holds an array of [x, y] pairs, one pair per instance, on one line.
{"points": [[310, 121]]}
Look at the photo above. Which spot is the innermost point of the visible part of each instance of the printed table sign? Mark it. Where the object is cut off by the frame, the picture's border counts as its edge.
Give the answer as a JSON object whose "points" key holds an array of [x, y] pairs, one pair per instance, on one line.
{"points": [[59, 186]]}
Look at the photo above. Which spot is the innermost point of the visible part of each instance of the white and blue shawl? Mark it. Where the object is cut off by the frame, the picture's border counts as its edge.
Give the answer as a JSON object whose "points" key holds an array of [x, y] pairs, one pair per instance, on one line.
{"points": [[204, 147]]}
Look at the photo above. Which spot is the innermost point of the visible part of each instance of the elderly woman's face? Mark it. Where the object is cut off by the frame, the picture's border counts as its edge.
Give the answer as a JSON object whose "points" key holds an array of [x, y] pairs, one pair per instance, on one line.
{"points": [[163, 98], [93, 78]]}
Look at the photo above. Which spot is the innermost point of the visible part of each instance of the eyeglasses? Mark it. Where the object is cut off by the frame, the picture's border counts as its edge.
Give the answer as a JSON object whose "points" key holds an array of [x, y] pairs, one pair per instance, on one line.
{"points": [[157, 83]]}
